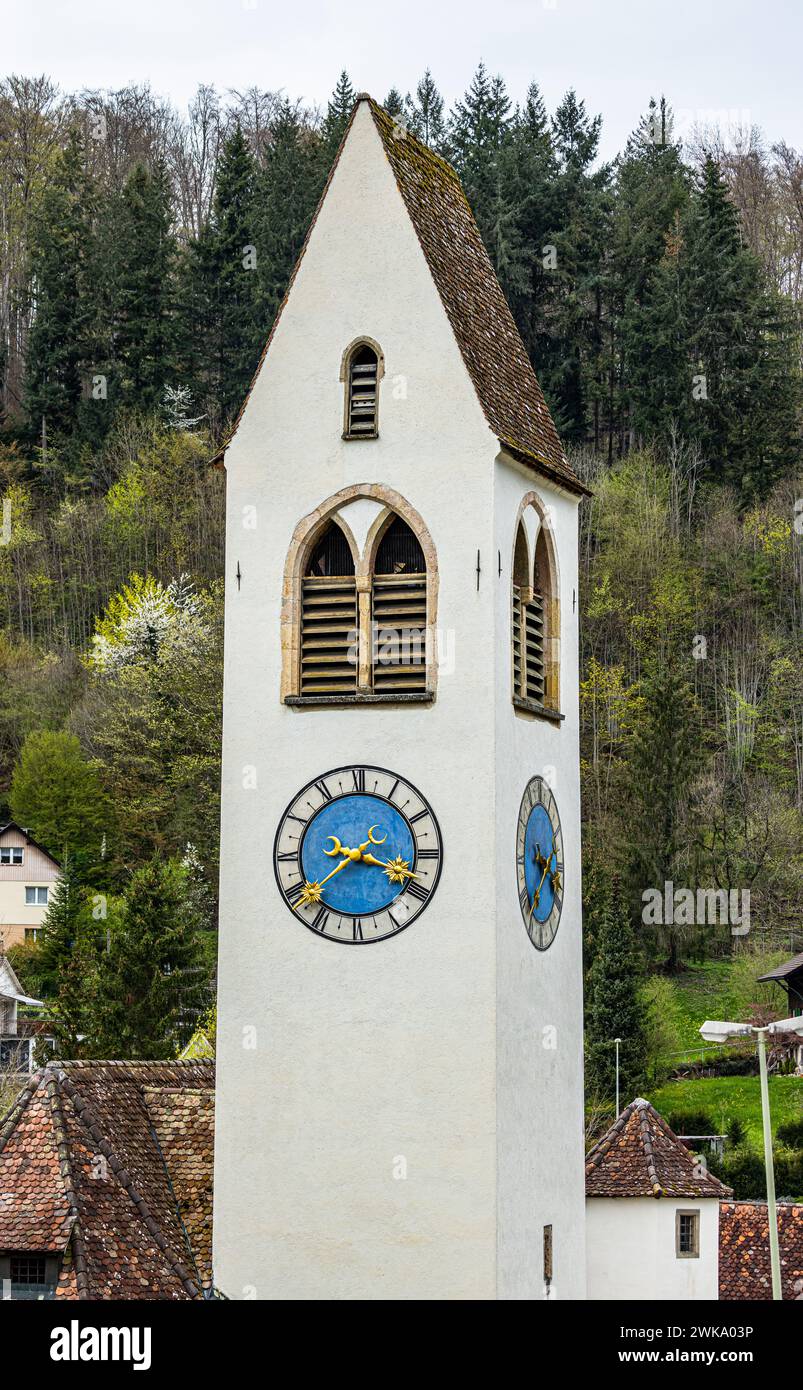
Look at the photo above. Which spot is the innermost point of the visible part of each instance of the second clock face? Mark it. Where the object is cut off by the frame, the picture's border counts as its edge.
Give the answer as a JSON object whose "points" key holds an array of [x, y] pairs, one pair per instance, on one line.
{"points": [[357, 854], [539, 863]]}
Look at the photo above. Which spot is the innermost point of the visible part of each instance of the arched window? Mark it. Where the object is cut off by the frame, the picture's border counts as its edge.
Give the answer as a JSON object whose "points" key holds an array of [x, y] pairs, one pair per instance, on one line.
{"points": [[360, 602], [363, 373], [399, 611], [534, 626], [329, 617]]}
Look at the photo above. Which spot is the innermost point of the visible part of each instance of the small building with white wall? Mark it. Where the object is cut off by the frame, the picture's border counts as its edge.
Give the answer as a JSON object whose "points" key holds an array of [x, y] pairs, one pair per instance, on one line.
{"points": [[28, 875], [652, 1213]]}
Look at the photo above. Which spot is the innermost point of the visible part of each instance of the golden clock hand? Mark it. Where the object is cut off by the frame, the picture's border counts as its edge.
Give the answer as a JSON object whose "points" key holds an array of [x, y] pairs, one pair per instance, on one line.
{"points": [[537, 893], [397, 866]]}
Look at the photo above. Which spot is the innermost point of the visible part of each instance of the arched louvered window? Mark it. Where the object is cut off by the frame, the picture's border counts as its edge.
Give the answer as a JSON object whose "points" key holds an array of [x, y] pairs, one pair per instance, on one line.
{"points": [[399, 611], [534, 624], [362, 393], [329, 617]]}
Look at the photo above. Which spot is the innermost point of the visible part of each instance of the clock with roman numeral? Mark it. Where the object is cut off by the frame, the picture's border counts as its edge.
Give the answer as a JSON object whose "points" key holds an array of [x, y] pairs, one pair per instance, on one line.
{"points": [[358, 855], [539, 863]]}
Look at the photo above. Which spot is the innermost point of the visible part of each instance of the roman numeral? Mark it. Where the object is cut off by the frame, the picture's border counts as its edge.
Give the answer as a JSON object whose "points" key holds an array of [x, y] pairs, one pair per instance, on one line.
{"points": [[392, 790], [396, 924], [288, 857], [358, 778], [320, 919], [524, 899], [357, 930], [324, 790], [418, 816], [416, 891], [428, 854], [294, 893], [300, 819]]}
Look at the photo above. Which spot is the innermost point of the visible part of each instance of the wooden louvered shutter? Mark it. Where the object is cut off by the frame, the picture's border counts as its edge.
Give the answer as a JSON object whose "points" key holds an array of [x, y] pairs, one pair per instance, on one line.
{"points": [[362, 412], [399, 611], [399, 619], [517, 638], [329, 635], [329, 642], [534, 642]]}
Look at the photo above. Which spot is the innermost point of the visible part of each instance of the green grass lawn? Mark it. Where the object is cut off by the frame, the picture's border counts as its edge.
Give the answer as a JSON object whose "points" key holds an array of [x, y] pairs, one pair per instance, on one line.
{"points": [[702, 992], [726, 1097]]}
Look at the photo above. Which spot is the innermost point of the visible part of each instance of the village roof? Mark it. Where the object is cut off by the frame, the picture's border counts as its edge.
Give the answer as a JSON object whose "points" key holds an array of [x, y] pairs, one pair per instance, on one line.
{"points": [[641, 1157], [744, 1250], [110, 1164], [486, 334], [789, 967], [13, 825]]}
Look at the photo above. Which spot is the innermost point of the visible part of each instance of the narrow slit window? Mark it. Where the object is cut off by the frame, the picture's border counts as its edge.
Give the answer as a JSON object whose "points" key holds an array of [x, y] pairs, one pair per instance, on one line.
{"points": [[399, 612], [329, 618], [533, 640], [362, 404]]}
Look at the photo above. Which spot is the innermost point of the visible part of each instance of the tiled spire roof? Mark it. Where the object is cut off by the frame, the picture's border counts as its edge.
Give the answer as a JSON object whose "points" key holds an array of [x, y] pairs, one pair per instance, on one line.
{"points": [[489, 341], [641, 1157]]}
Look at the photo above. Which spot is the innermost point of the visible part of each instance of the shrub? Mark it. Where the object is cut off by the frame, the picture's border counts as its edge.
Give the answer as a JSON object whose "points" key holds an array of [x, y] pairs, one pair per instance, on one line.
{"points": [[791, 1134], [690, 1122]]}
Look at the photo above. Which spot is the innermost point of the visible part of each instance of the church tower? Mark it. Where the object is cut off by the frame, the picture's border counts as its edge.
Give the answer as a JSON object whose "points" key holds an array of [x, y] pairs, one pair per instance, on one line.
{"points": [[400, 1064]]}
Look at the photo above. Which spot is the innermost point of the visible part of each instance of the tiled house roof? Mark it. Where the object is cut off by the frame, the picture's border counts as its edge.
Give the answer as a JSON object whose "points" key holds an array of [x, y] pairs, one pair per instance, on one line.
{"points": [[484, 329], [641, 1157], [111, 1164], [744, 1250]]}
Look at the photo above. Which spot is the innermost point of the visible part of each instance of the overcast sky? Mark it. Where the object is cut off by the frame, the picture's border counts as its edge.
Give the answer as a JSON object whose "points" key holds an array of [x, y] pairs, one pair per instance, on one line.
{"points": [[728, 59]]}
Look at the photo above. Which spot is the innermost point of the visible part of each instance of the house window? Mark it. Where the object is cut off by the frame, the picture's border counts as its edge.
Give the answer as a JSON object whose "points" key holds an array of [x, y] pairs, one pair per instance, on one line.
{"points": [[329, 618], [362, 374], [399, 612], [29, 1277], [534, 625], [32, 934], [36, 897], [11, 854], [687, 1235]]}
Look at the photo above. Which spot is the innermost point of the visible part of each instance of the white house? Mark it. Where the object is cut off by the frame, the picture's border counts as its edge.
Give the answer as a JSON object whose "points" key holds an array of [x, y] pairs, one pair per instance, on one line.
{"points": [[400, 1098], [652, 1213], [28, 875], [16, 1051]]}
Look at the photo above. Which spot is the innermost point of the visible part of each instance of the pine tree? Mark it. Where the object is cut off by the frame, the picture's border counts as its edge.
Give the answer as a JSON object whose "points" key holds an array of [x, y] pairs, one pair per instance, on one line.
{"points": [[572, 367], [394, 103], [287, 192], [152, 988], [426, 114], [652, 190], [661, 763], [614, 1008], [58, 364], [223, 316], [528, 171], [60, 928], [337, 116], [713, 353], [480, 134], [145, 306]]}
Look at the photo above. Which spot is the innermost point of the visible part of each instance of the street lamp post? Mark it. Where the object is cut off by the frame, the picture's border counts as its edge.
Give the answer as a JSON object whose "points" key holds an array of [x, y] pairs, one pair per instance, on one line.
{"points": [[714, 1031]]}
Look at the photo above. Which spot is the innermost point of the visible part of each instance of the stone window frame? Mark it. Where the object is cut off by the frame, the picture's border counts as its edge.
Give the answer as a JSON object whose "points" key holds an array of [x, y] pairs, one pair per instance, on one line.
{"points": [[304, 539], [345, 376], [694, 1213], [550, 586]]}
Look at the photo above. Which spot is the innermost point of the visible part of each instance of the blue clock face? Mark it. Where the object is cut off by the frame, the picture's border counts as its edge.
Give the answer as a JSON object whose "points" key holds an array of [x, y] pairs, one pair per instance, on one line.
{"points": [[539, 863], [357, 854]]}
